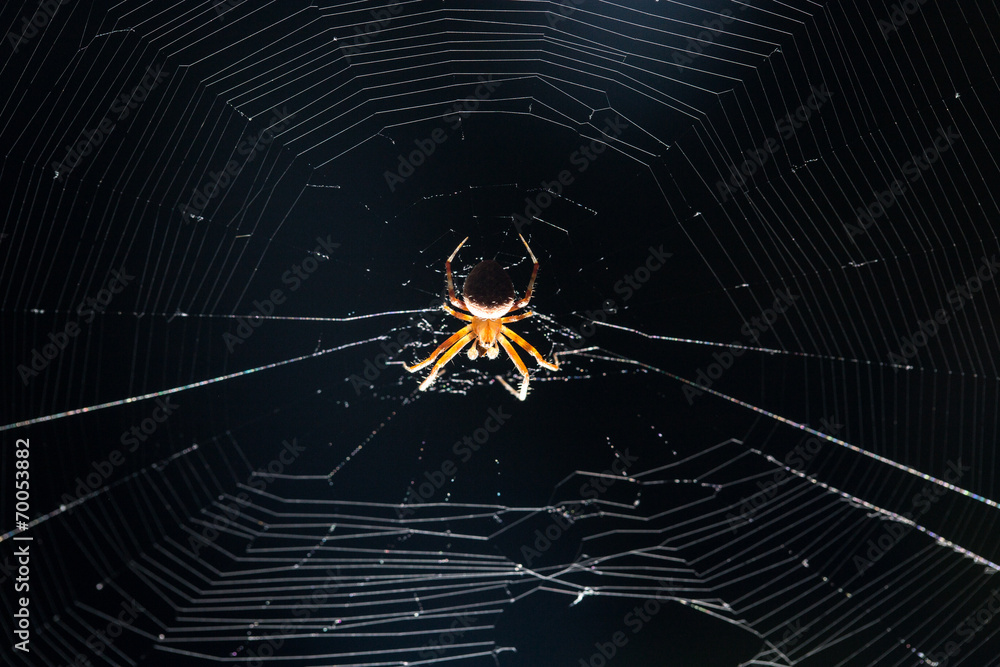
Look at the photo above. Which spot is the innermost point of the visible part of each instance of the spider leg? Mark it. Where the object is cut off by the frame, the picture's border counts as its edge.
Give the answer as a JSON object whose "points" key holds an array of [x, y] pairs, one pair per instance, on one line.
{"points": [[455, 349], [529, 348], [440, 348], [515, 318], [451, 285], [531, 283], [512, 353], [506, 386], [461, 316]]}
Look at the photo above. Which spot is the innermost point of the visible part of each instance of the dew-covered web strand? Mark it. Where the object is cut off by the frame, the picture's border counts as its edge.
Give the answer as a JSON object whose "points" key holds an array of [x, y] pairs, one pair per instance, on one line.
{"points": [[175, 390], [594, 354], [393, 585]]}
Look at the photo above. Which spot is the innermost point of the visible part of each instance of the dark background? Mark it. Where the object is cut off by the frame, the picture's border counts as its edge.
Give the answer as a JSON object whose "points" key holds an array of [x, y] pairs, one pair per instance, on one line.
{"points": [[799, 584]]}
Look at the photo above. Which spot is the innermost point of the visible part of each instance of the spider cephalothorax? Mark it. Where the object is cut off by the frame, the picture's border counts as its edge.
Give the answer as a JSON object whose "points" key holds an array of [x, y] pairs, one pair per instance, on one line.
{"points": [[488, 294]]}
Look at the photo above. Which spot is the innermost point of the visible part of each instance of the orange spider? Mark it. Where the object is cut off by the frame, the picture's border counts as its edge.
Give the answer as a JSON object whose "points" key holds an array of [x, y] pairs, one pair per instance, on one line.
{"points": [[488, 293]]}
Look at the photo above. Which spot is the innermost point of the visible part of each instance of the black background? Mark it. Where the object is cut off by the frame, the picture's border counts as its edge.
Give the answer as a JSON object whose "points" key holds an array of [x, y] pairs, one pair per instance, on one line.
{"points": [[560, 83]]}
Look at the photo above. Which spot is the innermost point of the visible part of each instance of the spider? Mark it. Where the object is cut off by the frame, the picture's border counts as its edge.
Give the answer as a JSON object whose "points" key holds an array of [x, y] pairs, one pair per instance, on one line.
{"points": [[488, 293]]}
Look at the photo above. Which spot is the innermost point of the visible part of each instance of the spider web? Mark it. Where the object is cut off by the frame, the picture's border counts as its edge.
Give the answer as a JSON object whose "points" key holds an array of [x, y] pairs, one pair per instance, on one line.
{"points": [[767, 242]]}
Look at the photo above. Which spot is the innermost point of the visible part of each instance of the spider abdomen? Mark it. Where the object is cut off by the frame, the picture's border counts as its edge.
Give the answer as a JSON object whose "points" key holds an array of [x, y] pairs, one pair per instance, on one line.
{"points": [[488, 295], [488, 290]]}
